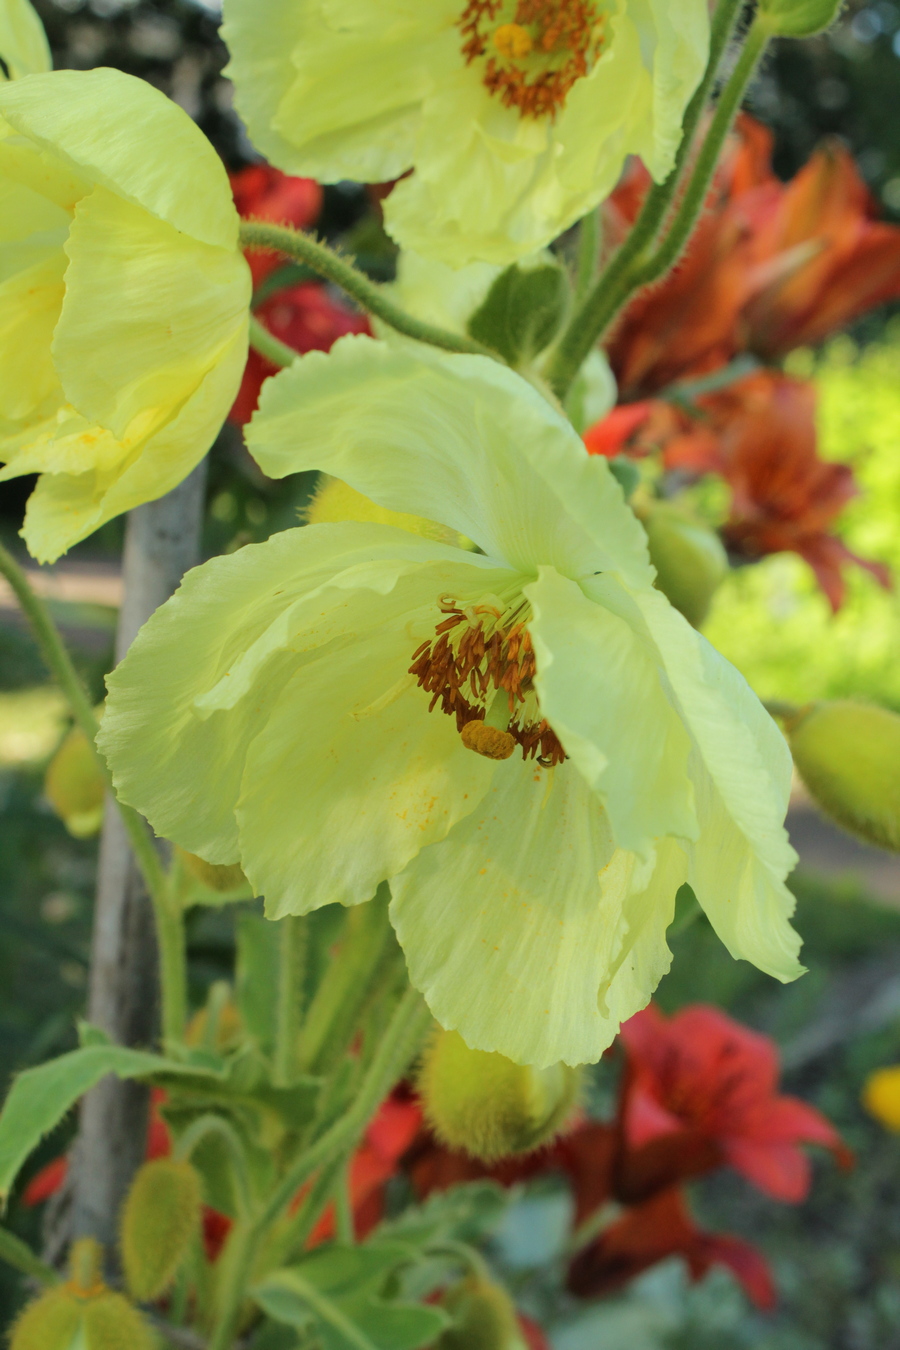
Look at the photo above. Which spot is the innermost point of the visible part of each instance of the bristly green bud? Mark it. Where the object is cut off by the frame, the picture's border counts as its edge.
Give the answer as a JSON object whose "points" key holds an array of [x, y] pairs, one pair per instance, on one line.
{"points": [[798, 18], [82, 1314], [848, 755], [483, 1318], [522, 312], [160, 1217], [485, 1105], [690, 559], [74, 786]]}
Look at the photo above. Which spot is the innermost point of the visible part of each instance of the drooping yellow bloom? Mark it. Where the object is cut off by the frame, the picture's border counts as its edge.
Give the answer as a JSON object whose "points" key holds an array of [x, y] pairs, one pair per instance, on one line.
{"points": [[23, 42], [516, 115], [529, 743], [123, 298]]}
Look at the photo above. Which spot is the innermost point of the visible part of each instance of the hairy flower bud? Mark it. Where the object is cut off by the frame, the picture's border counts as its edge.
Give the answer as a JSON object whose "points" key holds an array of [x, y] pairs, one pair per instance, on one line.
{"points": [[82, 1314], [160, 1216], [848, 755], [74, 785], [798, 18], [483, 1318], [690, 560], [487, 1106]]}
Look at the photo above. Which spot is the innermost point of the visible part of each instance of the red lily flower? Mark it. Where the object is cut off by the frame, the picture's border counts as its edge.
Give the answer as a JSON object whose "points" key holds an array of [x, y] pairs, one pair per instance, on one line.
{"points": [[659, 1228], [701, 1090], [819, 257], [760, 435], [307, 318], [263, 193]]}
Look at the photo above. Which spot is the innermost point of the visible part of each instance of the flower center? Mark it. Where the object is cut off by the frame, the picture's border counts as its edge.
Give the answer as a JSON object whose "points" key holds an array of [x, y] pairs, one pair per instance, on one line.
{"points": [[480, 664], [533, 51]]}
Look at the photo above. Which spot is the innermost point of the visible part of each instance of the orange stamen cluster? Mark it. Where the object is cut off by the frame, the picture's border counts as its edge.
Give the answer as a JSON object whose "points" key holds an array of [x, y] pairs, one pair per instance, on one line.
{"points": [[461, 673], [561, 41]]}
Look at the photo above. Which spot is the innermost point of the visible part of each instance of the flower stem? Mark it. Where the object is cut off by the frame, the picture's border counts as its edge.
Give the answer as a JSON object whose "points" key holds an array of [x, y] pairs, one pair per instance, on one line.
{"points": [[167, 911], [621, 277], [369, 296], [292, 935], [399, 1045], [275, 351]]}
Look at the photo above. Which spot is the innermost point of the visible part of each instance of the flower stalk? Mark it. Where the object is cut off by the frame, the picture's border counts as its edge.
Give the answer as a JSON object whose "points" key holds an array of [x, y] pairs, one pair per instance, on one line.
{"points": [[369, 296], [641, 259]]}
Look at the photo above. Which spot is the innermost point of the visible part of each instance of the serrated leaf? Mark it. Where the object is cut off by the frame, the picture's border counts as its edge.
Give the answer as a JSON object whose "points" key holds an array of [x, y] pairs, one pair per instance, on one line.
{"points": [[39, 1098], [466, 1213], [337, 1291]]}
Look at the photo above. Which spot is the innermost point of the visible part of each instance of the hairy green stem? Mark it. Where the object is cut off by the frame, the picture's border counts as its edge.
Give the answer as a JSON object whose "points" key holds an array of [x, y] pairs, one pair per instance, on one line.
{"points": [[19, 1255], [367, 294], [588, 249], [276, 352], [399, 1045], [292, 937], [167, 911], [616, 284], [343, 1207]]}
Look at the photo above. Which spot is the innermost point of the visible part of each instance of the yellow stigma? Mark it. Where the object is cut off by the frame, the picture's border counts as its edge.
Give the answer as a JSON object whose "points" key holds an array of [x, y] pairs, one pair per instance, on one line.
{"points": [[512, 40], [488, 741]]}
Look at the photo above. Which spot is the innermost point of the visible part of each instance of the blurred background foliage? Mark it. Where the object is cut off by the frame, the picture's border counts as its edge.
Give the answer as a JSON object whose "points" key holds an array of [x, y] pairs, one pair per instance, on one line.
{"points": [[837, 1257]]}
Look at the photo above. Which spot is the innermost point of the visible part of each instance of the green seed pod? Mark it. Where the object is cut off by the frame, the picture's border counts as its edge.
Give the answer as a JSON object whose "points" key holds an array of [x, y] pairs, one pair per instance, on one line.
{"points": [[848, 755], [160, 1217], [82, 1314], [483, 1318], [483, 1103], [74, 785], [690, 560]]}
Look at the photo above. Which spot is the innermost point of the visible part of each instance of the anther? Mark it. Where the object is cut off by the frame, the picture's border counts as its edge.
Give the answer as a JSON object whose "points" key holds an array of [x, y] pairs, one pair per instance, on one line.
{"points": [[488, 741]]}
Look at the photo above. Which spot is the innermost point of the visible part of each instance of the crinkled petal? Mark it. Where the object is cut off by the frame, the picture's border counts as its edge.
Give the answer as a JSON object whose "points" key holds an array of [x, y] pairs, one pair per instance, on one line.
{"points": [[181, 763], [148, 311], [352, 775], [458, 439], [602, 692], [30, 303], [526, 930], [23, 43], [88, 120], [741, 770], [66, 507]]}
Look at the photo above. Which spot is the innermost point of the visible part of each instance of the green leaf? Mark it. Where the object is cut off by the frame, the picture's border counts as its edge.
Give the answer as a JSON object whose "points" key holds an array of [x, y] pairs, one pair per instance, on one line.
{"points": [[39, 1098], [337, 1292], [522, 312], [465, 1213]]}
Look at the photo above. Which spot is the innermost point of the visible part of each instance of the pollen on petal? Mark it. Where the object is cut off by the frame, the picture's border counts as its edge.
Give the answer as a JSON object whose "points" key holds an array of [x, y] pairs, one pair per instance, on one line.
{"points": [[488, 741]]}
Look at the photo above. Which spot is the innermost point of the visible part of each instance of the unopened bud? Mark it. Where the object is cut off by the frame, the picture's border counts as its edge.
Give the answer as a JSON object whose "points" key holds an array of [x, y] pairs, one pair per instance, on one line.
{"points": [[74, 785], [690, 559], [484, 1104], [335, 501], [483, 1318], [798, 18], [523, 311], [82, 1314], [848, 755], [215, 876], [160, 1217]]}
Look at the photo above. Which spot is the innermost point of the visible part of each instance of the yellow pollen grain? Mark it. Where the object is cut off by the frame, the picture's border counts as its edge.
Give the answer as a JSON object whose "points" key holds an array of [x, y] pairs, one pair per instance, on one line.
{"points": [[512, 40], [488, 741]]}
